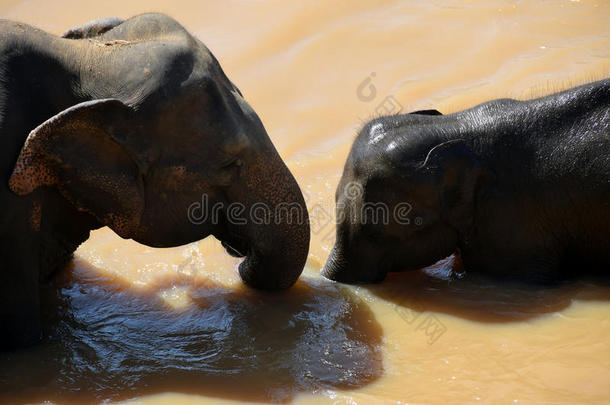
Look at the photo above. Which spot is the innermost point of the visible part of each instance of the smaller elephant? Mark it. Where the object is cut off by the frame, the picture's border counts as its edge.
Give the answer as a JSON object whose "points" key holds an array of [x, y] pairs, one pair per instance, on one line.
{"points": [[520, 189]]}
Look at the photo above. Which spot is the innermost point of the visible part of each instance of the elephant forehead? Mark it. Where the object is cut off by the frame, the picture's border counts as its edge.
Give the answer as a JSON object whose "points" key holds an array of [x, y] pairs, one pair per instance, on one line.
{"points": [[136, 71], [376, 133]]}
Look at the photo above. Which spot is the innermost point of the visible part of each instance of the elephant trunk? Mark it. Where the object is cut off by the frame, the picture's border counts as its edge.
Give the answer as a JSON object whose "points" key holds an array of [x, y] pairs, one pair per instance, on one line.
{"points": [[337, 268], [275, 235]]}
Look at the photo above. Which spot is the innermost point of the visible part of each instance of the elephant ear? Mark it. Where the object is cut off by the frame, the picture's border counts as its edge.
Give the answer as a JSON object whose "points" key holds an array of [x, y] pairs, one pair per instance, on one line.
{"points": [[82, 151], [460, 173], [426, 112], [93, 28]]}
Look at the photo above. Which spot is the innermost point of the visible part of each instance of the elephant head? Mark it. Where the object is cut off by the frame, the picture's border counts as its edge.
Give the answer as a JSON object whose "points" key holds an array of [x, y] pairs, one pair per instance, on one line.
{"points": [[166, 151], [406, 197]]}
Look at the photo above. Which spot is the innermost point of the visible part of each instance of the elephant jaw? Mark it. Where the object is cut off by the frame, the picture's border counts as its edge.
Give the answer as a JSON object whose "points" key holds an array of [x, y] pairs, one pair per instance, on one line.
{"points": [[236, 248]]}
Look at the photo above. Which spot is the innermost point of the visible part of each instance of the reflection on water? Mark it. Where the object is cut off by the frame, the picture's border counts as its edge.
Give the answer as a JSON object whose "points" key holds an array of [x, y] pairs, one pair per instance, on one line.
{"points": [[189, 333], [444, 289], [108, 342]]}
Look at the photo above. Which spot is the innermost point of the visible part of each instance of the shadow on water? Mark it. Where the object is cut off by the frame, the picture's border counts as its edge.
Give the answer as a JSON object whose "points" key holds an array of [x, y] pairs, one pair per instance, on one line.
{"points": [[108, 342], [482, 299]]}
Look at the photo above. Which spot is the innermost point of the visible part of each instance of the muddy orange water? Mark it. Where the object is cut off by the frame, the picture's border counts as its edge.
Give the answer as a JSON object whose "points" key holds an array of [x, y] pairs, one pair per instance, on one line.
{"points": [[129, 323]]}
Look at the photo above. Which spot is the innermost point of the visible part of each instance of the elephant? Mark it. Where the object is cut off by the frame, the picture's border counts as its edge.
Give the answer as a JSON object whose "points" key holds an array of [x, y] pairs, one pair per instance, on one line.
{"points": [[131, 124], [518, 190]]}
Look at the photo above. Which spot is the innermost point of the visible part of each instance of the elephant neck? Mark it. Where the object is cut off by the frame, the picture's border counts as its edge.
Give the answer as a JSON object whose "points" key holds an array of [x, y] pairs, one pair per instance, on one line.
{"points": [[44, 75], [62, 229], [41, 80]]}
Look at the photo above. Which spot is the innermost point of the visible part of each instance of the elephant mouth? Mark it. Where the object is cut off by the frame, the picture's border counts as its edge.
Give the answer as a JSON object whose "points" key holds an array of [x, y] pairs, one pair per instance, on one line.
{"points": [[236, 247]]}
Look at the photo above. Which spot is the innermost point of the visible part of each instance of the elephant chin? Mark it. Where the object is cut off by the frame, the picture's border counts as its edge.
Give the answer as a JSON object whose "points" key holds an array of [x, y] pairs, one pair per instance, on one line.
{"points": [[235, 249]]}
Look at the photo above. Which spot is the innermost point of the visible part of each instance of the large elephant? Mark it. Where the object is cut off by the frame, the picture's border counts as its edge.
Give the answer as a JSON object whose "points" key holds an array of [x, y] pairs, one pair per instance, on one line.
{"points": [[520, 189], [134, 126]]}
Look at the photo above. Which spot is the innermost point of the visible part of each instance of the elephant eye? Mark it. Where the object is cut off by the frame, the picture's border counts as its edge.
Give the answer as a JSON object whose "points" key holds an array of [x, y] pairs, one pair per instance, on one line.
{"points": [[377, 233], [236, 162]]}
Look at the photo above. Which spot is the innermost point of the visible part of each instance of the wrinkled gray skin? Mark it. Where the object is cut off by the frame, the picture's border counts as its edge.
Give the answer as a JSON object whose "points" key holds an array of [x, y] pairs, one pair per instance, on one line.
{"points": [[128, 129], [520, 189]]}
